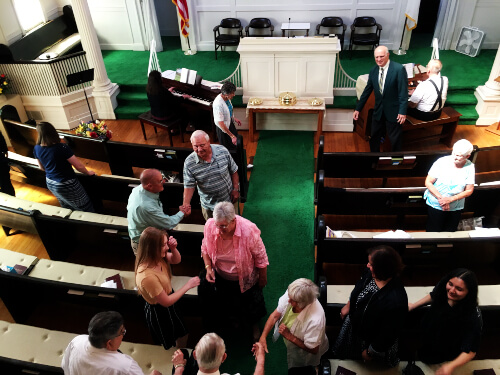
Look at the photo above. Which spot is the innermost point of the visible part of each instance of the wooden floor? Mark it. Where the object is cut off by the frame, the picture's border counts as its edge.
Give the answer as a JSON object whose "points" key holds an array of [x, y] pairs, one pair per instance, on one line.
{"points": [[130, 131]]}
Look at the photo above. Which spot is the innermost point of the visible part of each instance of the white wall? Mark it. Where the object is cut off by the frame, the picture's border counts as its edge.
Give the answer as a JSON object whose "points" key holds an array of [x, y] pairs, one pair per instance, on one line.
{"points": [[10, 30], [117, 24], [485, 18], [166, 12], [208, 13]]}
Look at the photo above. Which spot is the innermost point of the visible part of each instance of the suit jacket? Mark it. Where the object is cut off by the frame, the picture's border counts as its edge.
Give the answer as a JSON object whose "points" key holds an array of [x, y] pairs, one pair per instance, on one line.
{"points": [[394, 99]]}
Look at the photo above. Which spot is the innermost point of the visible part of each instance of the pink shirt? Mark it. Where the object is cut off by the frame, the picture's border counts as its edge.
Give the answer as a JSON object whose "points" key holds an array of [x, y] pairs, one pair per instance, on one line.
{"points": [[249, 250]]}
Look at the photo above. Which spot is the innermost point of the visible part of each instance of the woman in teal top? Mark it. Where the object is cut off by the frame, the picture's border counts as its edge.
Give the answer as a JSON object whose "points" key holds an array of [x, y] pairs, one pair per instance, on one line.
{"points": [[449, 182]]}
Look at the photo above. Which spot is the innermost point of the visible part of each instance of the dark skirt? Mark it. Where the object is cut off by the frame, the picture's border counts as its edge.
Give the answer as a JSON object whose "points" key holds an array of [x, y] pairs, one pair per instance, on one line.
{"points": [[165, 324], [71, 194]]}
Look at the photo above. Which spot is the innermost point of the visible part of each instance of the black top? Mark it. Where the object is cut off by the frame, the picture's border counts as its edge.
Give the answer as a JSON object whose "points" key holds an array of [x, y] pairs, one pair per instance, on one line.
{"points": [[3, 148], [448, 331], [379, 320], [163, 104]]}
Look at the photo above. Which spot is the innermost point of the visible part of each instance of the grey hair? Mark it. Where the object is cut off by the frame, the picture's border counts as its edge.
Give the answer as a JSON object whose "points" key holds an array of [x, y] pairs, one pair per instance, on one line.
{"points": [[209, 351], [303, 291], [199, 133], [435, 66], [103, 327], [384, 48], [224, 211], [227, 88], [463, 147]]}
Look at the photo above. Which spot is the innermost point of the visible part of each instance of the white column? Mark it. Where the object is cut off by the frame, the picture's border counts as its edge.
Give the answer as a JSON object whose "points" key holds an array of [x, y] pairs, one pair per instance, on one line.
{"points": [[104, 91], [488, 96]]}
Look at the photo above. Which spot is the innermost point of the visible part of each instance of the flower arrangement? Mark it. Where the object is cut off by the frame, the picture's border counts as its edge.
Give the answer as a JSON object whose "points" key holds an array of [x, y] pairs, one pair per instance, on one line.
{"points": [[4, 82], [97, 129]]}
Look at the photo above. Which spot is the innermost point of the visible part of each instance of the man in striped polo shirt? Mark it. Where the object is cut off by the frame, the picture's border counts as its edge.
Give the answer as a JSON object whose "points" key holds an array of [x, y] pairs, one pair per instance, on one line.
{"points": [[212, 169]]}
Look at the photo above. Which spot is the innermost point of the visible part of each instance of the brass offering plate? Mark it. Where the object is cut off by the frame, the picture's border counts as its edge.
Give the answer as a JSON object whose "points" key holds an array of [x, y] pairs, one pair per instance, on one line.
{"points": [[255, 101], [288, 98], [315, 101]]}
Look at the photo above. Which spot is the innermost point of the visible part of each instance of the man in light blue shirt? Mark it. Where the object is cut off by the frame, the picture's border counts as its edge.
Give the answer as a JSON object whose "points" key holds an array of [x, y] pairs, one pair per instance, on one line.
{"points": [[144, 208]]}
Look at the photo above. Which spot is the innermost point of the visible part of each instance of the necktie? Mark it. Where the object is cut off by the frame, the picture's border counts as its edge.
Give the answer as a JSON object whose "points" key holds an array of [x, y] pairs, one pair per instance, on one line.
{"points": [[381, 80]]}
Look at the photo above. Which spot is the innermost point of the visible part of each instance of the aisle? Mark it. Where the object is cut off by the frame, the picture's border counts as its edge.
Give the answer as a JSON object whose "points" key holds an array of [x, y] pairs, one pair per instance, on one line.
{"points": [[280, 201]]}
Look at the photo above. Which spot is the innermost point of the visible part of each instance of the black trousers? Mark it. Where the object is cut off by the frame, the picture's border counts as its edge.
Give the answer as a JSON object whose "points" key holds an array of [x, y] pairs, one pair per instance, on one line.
{"points": [[224, 139], [5, 183], [424, 116], [442, 221], [394, 132]]}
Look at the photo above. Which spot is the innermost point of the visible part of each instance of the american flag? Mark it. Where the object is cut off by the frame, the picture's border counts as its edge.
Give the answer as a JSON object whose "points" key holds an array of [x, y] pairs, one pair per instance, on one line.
{"points": [[184, 14]]}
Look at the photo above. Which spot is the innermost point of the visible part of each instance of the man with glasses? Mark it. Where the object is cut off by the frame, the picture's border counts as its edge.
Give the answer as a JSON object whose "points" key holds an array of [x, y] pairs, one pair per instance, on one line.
{"points": [[144, 208], [97, 353]]}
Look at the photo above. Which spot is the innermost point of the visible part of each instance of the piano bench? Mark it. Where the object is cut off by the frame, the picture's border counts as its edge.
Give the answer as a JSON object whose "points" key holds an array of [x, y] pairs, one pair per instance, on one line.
{"points": [[168, 124]]}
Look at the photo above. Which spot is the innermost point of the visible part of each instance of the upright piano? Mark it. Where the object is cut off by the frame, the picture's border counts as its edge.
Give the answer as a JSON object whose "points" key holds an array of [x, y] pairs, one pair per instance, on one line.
{"points": [[199, 107]]}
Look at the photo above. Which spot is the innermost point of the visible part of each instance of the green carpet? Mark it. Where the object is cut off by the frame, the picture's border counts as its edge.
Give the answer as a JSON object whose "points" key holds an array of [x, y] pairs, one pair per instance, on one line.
{"points": [[129, 70], [280, 203]]}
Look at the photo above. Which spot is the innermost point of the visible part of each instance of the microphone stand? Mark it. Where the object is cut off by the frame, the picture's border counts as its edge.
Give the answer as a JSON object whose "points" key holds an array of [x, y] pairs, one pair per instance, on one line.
{"points": [[289, 18]]}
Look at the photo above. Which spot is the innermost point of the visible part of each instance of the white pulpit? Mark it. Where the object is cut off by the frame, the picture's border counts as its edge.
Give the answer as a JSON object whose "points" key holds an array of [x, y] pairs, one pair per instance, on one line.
{"points": [[304, 66]]}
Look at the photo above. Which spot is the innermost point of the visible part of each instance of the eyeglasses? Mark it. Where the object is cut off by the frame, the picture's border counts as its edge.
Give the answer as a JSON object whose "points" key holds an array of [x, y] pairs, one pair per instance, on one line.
{"points": [[121, 333], [224, 226]]}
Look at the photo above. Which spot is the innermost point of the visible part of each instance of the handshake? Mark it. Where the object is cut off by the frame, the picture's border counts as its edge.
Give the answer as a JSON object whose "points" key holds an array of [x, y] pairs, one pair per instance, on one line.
{"points": [[186, 209]]}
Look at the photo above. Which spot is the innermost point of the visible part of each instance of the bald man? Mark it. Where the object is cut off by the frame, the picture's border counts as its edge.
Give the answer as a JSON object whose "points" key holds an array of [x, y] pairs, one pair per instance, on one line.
{"points": [[389, 82], [144, 208], [427, 100]]}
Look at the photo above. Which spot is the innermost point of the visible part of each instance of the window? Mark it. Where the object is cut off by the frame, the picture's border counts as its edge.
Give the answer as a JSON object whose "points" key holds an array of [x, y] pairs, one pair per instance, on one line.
{"points": [[29, 13]]}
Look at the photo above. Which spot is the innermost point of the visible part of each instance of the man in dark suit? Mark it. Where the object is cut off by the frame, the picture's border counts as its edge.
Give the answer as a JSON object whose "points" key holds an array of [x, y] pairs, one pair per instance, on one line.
{"points": [[389, 81]]}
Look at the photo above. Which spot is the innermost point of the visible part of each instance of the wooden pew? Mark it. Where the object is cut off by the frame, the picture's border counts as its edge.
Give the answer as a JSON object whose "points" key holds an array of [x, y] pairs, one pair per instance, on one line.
{"points": [[121, 156], [407, 166], [101, 189], [26, 349], [104, 244], [51, 283], [405, 208], [442, 249], [124, 156], [331, 367]]}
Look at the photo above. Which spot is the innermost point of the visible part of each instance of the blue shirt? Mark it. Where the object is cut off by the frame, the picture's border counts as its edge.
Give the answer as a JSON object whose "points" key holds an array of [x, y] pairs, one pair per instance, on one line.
{"points": [[449, 181], [55, 161], [144, 209]]}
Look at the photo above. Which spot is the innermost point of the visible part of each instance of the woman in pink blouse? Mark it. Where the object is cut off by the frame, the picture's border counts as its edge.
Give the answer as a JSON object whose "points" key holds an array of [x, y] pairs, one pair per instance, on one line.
{"points": [[236, 262]]}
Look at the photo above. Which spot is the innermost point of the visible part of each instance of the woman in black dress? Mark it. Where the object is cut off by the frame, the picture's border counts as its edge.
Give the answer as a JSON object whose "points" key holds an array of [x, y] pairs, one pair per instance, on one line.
{"points": [[375, 312], [451, 330]]}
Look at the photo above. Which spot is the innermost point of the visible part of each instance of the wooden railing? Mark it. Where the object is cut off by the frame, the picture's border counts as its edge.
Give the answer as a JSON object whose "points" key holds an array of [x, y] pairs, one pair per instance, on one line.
{"points": [[44, 78]]}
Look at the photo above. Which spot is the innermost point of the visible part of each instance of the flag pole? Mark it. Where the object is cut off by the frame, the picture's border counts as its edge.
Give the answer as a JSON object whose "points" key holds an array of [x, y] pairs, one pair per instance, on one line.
{"points": [[189, 52], [401, 51]]}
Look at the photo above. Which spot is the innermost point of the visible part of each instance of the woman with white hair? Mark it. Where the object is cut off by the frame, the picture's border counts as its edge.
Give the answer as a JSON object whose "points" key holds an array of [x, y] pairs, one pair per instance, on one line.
{"points": [[449, 181], [300, 319], [236, 262]]}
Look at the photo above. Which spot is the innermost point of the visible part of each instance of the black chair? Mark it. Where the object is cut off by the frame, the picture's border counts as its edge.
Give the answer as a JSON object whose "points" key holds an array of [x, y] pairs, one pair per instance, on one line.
{"points": [[223, 40], [333, 23], [259, 23], [372, 37]]}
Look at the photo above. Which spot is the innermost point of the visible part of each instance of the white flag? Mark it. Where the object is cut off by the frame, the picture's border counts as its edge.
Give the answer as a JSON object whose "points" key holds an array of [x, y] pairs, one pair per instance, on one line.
{"points": [[412, 14]]}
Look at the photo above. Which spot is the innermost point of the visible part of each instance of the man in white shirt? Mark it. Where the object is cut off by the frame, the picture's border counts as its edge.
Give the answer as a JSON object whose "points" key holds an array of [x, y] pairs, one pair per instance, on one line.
{"points": [[427, 101], [210, 353], [97, 353]]}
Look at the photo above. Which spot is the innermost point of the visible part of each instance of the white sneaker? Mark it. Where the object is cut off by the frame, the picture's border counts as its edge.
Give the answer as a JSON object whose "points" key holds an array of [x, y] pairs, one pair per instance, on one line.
{"points": [[249, 166]]}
